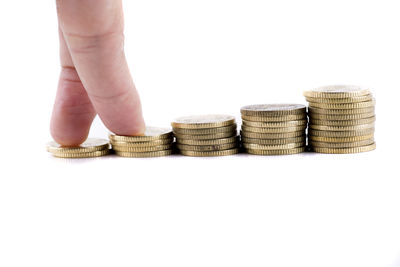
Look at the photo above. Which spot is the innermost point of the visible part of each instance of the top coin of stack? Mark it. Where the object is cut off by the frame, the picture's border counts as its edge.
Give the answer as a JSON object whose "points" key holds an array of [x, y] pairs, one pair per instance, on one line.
{"points": [[155, 142], [91, 148], [274, 129], [342, 119], [206, 135]]}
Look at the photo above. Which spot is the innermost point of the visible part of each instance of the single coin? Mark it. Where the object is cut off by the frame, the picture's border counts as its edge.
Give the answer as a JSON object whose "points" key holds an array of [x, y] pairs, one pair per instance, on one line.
{"points": [[144, 144], [342, 145], [273, 130], [316, 116], [273, 147], [335, 134], [342, 123], [340, 139], [205, 136], [350, 150], [337, 91], [151, 154], [340, 112], [209, 142], [273, 109], [209, 153], [150, 134], [142, 149], [281, 141], [354, 99], [223, 129], [366, 104], [90, 145], [342, 128], [92, 154], [276, 152], [272, 135], [207, 148], [203, 121], [274, 124], [280, 118]]}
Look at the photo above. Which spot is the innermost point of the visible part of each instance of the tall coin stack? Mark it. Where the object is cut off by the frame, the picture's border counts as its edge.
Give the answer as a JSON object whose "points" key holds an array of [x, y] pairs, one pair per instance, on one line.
{"points": [[206, 135], [155, 142], [342, 119], [274, 129]]}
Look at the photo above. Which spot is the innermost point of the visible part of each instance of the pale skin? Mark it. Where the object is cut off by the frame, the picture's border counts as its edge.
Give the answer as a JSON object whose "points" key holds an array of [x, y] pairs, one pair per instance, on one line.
{"points": [[95, 77]]}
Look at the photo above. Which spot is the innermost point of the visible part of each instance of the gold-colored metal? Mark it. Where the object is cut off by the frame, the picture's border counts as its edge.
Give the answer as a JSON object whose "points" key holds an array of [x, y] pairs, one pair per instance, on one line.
{"points": [[142, 149], [276, 152], [150, 134], [337, 91], [273, 147], [272, 135], [367, 131], [275, 124], [209, 153], [342, 145], [93, 154], [340, 139], [144, 144], [280, 118], [203, 121], [273, 130], [342, 128], [355, 99], [152, 154], [340, 112], [207, 148], [210, 142], [316, 116], [205, 136], [281, 141], [90, 145], [273, 109], [351, 106], [344, 150], [342, 123], [215, 130]]}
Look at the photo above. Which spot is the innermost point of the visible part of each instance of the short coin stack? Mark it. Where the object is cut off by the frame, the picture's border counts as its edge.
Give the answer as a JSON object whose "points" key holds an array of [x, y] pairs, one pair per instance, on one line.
{"points": [[274, 129], [155, 142], [206, 135], [91, 148], [342, 119]]}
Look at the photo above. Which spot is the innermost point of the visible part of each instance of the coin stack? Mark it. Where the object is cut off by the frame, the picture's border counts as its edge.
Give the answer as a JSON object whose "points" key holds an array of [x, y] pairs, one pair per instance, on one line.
{"points": [[342, 119], [206, 135], [91, 148], [155, 142], [274, 129]]}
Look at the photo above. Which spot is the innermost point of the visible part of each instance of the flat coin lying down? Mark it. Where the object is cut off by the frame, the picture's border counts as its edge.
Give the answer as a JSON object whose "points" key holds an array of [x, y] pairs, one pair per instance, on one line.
{"points": [[92, 147]]}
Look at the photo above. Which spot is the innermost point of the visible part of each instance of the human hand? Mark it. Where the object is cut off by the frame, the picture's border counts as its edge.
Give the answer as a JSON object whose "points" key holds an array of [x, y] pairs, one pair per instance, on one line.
{"points": [[94, 77]]}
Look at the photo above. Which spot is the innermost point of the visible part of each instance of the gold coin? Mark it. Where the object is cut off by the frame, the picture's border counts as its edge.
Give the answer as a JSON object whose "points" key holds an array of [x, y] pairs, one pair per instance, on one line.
{"points": [[354, 99], [152, 154], [224, 129], [205, 136], [344, 150], [273, 109], [207, 148], [142, 149], [209, 142], [90, 145], [203, 121], [276, 152], [273, 147], [340, 112], [280, 118], [150, 134], [209, 153], [144, 144], [342, 123], [366, 104], [316, 116], [337, 91], [272, 135], [92, 154], [342, 145], [273, 130], [342, 128], [274, 124], [340, 139], [363, 132], [281, 141]]}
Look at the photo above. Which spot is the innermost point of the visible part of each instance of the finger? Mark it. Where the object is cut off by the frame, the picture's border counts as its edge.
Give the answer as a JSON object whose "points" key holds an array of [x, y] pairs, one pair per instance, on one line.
{"points": [[73, 112], [93, 30]]}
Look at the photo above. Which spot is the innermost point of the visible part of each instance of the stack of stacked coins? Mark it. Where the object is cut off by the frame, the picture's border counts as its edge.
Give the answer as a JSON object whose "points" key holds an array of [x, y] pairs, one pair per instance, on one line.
{"points": [[155, 142], [342, 119], [274, 129], [91, 148], [206, 135]]}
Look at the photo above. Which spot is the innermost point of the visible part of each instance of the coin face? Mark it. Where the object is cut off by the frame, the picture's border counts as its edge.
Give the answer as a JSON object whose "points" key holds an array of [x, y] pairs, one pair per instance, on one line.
{"points": [[203, 121], [151, 133], [90, 145], [337, 91], [271, 109]]}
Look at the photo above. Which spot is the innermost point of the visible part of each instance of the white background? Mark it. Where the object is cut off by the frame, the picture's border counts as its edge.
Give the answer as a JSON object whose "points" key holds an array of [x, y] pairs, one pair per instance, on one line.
{"points": [[199, 57]]}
